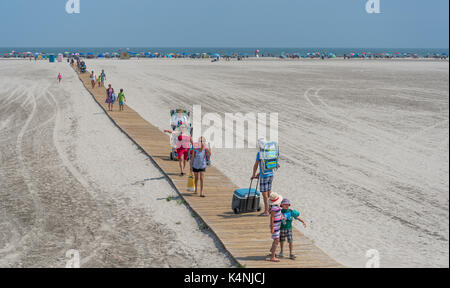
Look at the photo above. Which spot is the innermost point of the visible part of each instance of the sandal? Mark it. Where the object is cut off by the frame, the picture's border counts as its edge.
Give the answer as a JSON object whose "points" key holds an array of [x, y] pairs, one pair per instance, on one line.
{"points": [[280, 255], [263, 214], [292, 257], [276, 260]]}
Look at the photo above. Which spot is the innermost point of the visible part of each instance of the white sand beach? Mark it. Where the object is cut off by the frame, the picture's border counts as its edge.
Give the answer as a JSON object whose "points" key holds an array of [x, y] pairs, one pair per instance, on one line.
{"points": [[71, 180], [364, 157], [364, 144]]}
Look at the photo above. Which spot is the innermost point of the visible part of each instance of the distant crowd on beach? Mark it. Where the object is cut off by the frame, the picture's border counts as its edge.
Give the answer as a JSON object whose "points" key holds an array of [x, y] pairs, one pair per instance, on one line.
{"points": [[215, 56]]}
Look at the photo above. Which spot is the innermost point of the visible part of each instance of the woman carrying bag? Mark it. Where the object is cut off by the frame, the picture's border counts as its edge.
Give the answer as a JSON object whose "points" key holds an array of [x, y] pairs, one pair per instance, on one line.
{"points": [[199, 162]]}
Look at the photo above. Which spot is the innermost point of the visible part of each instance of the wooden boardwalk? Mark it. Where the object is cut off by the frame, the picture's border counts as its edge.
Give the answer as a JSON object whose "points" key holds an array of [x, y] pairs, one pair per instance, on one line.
{"points": [[246, 237]]}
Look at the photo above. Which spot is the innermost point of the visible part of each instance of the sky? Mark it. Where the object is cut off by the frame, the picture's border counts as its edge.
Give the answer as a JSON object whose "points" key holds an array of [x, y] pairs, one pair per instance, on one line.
{"points": [[225, 23]]}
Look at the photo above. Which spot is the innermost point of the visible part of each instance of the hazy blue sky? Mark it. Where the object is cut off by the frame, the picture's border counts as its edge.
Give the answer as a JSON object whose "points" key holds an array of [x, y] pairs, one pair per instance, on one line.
{"points": [[225, 23]]}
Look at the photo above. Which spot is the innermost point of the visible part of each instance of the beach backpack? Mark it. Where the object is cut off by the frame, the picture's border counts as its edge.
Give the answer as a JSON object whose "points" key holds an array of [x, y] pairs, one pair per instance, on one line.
{"points": [[269, 155], [113, 97]]}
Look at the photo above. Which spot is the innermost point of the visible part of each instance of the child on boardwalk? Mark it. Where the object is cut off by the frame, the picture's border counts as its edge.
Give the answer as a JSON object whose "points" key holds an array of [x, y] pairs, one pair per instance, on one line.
{"points": [[121, 98], [286, 226], [99, 81], [275, 223], [59, 78]]}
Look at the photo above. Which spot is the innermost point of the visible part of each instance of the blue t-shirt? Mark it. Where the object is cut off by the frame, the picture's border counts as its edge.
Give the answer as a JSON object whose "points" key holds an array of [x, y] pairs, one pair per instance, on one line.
{"points": [[263, 175]]}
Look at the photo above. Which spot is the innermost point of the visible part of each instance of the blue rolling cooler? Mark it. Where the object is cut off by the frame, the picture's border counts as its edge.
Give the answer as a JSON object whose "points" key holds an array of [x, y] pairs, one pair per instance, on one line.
{"points": [[246, 200]]}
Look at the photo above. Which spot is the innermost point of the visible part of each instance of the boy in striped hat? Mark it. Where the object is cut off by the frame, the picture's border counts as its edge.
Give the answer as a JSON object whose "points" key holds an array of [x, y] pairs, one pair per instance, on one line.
{"points": [[288, 215]]}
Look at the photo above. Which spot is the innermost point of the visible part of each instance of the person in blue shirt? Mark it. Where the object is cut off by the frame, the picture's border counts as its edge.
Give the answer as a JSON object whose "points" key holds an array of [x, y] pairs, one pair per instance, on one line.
{"points": [[266, 180]]}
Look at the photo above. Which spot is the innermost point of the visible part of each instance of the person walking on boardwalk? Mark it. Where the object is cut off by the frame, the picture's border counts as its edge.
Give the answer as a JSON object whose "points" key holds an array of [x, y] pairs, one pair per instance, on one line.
{"points": [[121, 98], [275, 223], [110, 97], [289, 215], [199, 163], [103, 78], [59, 78], [92, 77], [266, 180], [184, 142]]}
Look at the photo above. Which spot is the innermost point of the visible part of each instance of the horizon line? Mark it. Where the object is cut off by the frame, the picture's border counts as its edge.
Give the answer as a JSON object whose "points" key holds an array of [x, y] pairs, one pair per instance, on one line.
{"points": [[220, 47]]}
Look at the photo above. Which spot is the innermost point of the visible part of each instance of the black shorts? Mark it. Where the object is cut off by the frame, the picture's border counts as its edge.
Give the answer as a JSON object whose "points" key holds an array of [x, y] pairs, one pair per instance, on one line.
{"points": [[198, 170]]}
